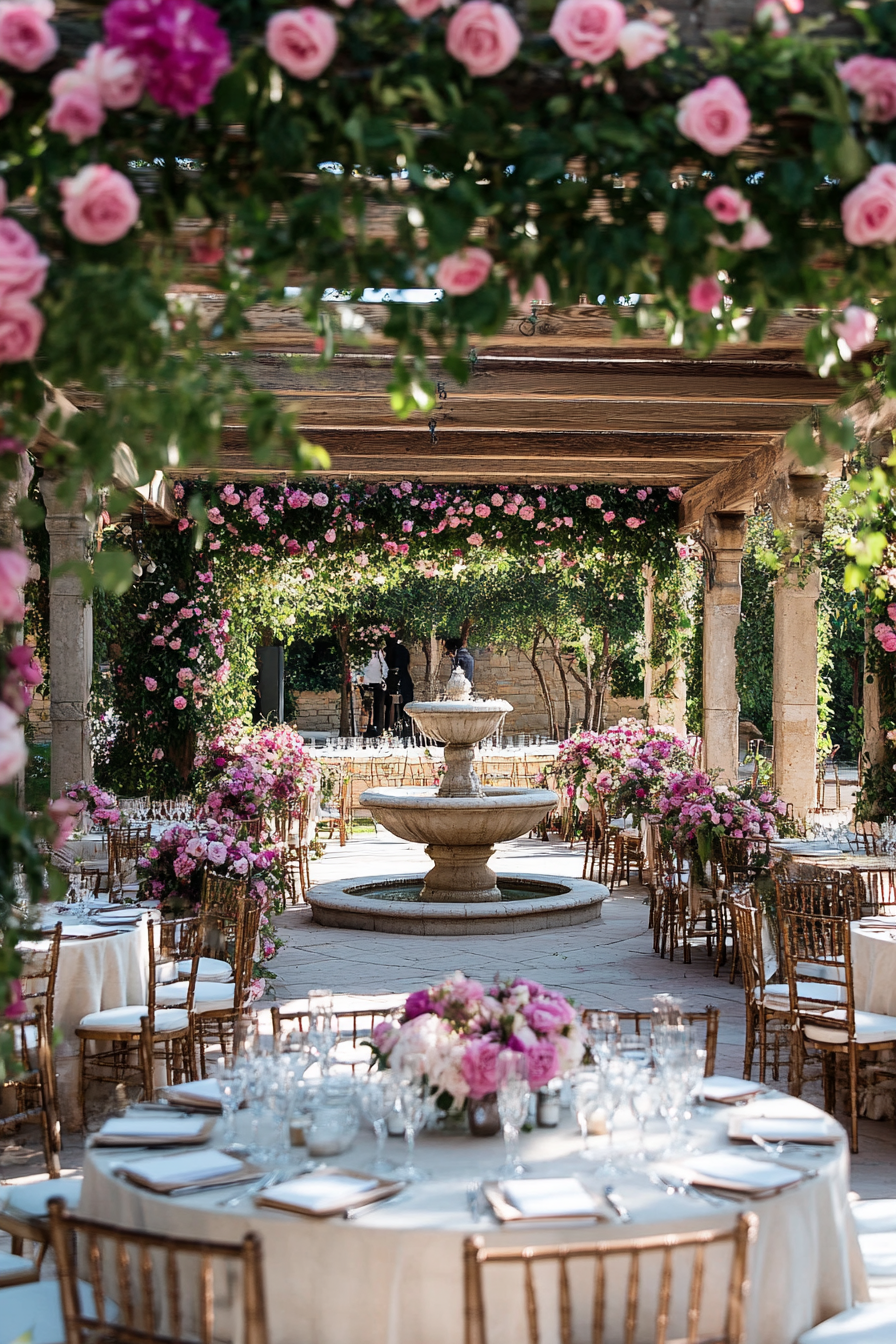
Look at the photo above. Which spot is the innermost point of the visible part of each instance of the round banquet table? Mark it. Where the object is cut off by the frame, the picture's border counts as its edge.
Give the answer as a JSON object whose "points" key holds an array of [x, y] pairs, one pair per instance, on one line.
{"points": [[394, 1275], [106, 971], [874, 969]]}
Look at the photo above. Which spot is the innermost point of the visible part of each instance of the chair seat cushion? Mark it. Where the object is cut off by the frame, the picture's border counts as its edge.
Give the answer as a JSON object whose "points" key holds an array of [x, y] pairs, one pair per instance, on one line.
{"points": [[33, 1312], [16, 1269], [879, 1254], [829, 972], [128, 1019], [778, 996], [869, 1323], [874, 1215], [209, 969], [870, 1029], [207, 995], [31, 1200]]}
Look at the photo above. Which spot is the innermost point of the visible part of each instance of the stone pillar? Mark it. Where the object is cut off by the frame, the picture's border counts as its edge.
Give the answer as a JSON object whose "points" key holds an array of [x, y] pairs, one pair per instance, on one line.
{"points": [[71, 639], [723, 536], [669, 710], [797, 507]]}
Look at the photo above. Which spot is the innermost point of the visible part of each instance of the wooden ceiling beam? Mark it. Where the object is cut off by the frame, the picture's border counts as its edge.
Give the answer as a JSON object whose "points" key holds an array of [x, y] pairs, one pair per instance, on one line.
{"points": [[740, 486]]}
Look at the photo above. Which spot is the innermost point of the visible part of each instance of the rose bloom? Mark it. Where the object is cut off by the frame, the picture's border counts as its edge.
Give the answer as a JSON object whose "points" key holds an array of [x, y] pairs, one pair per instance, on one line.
{"points": [[716, 117], [99, 204], [178, 46], [77, 111], [419, 9], [483, 36], [874, 77], [705, 294], [588, 30], [303, 41], [179, 702], [755, 235], [463, 272], [593, 501], [771, 14], [479, 1066], [527, 512], [170, 598], [869, 210], [856, 328], [150, 683], [21, 327], [7, 97], [727, 205], [26, 39], [117, 75], [320, 500], [640, 41], [23, 268]]}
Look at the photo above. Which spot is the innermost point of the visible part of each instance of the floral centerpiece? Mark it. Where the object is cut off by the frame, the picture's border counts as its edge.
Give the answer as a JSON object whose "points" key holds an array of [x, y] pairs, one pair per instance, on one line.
{"points": [[99, 804], [460, 1027], [697, 811], [629, 758], [257, 773]]}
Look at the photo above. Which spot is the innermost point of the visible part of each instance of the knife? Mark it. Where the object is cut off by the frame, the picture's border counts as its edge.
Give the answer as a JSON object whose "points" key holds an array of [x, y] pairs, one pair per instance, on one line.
{"points": [[616, 1204]]}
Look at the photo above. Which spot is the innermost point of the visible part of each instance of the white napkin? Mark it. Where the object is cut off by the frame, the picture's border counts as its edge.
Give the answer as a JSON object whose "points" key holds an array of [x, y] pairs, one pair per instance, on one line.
{"points": [[119, 917], [150, 1127], [316, 1193], [561, 1197], [731, 1171], [788, 1129], [184, 1168], [719, 1088], [204, 1092], [84, 931], [878, 922]]}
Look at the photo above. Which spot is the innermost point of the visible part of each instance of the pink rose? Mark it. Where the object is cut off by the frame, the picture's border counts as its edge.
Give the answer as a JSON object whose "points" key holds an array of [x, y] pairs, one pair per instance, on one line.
{"points": [[99, 204], [26, 39], [727, 205], [480, 1060], [593, 501], [482, 511], [484, 37], [634, 522], [609, 516], [170, 598], [705, 294], [640, 41], [856, 328], [588, 30], [544, 1063], [874, 77], [178, 46], [675, 492], [543, 1014], [21, 327], [716, 117], [158, 754], [320, 500], [869, 210], [7, 97], [755, 235], [150, 683], [23, 268], [174, 644], [77, 111], [13, 751], [886, 636], [179, 702], [303, 41], [419, 9], [116, 74], [474, 539], [463, 272], [527, 512]]}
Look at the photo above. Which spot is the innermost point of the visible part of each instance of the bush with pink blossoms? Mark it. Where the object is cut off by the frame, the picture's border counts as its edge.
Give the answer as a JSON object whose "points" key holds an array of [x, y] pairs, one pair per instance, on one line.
{"points": [[696, 811], [627, 762]]}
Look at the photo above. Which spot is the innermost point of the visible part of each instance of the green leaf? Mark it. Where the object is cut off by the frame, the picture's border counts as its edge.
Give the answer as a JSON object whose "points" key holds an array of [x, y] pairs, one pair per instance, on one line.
{"points": [[801, 440], [112, 571], [29, 513]]}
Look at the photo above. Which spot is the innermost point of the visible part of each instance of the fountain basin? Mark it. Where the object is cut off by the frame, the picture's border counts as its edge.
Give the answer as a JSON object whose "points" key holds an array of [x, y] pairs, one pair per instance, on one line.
{"points": [[529, 902], [458, 722]]}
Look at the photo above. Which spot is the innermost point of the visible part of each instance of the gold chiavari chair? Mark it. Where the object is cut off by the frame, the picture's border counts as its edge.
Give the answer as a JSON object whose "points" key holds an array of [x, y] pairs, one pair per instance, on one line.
{"points": [[598, 842], [31, 1081], [767, 1006], [708, 1018], [38, 981], [672, 924], [215, 1014], [354, 1027], [126, 845], [868, 840], [164, 1289], [742, 862], [631, 1294]]}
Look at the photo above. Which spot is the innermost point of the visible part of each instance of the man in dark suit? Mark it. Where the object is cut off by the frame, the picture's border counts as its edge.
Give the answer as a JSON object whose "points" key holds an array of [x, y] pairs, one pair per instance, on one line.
{"points": [[461, 657]]}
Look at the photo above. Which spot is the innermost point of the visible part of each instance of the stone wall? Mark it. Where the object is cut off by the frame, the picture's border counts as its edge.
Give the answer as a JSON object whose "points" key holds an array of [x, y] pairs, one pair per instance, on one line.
{"points": [[507, 675]]}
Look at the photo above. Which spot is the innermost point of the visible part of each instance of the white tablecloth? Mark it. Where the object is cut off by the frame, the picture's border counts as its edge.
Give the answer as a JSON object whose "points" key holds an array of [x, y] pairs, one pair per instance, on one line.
{"points": [[395, 1275], [874, 970], [93, 973]]}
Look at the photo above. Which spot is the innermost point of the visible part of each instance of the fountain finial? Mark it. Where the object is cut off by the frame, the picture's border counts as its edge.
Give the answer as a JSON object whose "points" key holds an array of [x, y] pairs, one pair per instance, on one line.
{"points": [[459, 687]]}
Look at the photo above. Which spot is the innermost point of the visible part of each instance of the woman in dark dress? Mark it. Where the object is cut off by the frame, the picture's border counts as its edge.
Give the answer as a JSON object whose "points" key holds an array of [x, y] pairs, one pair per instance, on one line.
{"points": [[399, 687]]}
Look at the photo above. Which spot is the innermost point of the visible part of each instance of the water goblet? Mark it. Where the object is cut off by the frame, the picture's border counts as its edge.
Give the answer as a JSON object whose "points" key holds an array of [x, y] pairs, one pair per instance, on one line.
{"points": [[231, 1075], [613, 1080], [321, 1026], [512, 1074], [414, 1106], [585, 1101], [602, 1031], [674, 1091], [377, 1097]]}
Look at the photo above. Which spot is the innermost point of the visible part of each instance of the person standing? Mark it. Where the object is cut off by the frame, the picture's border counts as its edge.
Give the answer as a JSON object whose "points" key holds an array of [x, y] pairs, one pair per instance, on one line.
{"points": [[399, 687], [461, 657], [373, 678]]}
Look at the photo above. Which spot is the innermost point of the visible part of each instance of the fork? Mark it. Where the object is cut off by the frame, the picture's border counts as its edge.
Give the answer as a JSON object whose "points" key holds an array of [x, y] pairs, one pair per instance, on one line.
{"points": [[684, 1188], [262, 1184]]}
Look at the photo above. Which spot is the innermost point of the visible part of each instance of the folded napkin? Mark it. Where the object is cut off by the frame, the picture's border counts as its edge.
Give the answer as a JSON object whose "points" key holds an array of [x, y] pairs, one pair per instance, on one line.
{"points": [[204, 1095], [326, 1193], [183, 1171], [731, 1171], [878, 922], [118, 916], [87, 931], [149, 1129], [786, 1129], [727, 1090], [562, 1197]]}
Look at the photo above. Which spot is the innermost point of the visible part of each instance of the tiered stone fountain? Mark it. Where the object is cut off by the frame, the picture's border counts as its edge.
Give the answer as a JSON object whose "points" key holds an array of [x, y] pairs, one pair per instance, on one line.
{"points": [[460, 823]]}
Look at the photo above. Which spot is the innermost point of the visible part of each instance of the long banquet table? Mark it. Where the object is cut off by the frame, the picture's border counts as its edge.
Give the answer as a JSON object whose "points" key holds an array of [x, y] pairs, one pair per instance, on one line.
{"points": [[394, 1276]]}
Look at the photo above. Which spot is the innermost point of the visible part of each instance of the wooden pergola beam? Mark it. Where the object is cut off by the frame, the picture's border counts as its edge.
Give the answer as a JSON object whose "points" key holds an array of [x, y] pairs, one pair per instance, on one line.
{"points": [[739, 487]]}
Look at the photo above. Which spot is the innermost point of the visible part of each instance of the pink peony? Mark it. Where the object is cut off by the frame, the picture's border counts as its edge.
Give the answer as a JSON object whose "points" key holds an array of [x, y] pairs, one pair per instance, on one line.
{"points": [[527, 513], [178, 46], [320, 500], [640, 42], [588, 30], [303, 41], [727, 205], [417, 1004], [99, 204], [77, 111], [634, 522], [716, 117], [179, 702], [886, 636], [705, 294], [116, 74], [7, 96], [483, 36], [419, 9], [23, 268], [480, 1060], [170, 598], [21, 327], [544, 1063], [869, 210], [463, 272], [755, 235], [13, 751], [26, 39], [874, 77], [856, 328]]}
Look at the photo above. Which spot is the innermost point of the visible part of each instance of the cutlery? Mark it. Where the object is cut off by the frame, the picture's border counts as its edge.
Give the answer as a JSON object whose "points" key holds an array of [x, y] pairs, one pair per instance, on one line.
{"points": [[683, 1187], [362, 1209], [616, 1204], [254, 1186], [773, 1149]]}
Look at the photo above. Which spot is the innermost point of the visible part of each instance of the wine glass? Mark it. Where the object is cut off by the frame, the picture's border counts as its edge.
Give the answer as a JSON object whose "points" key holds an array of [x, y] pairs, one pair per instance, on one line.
{"points": [[613, 1080], [321, 1026], [585, 1101], [644, 1100], [231, 1075], [602, 1030], [512, 1073], [377, 1099], [413, 1106]]}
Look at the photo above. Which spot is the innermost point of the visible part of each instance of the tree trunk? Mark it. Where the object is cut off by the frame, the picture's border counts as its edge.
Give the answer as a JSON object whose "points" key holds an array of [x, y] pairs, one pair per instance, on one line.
{"points": [[343, 634], [603, 680], [433, 659], [564, 681], [543, 686], [466, 627]]}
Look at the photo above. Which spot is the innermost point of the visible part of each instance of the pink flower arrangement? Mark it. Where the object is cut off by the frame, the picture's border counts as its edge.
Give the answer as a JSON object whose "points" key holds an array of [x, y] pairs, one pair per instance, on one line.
{"points": [[696, 811], [460, 1027], [628, 760], [99, 803], [177, 45]]}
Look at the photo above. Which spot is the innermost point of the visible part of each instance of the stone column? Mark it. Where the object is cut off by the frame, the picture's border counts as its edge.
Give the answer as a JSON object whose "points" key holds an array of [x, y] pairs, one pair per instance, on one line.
{"points": [[723, 536], [71, 639], [669, 710], [797, 507]]}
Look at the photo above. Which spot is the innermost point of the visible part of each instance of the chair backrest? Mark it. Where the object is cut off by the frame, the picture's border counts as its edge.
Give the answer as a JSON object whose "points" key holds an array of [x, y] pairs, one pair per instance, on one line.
{"points": [[224, 894], [743, 860], [164, 1289], [353, 1025], [825, 892], [709, 1018], [38, 977], [817, 951], [633, 1293]]}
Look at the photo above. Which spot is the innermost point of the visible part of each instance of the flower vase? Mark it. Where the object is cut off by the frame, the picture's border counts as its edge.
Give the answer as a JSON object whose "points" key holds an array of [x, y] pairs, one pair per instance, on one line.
{"points": [[482, 1116]]}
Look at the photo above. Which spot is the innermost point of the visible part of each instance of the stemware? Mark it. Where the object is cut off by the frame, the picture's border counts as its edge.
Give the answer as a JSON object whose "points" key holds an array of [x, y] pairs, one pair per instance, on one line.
{"points": [[231, 1075], [512, 1073], [602, 1032], [585, 1101], [413, 1104], [377, 1098], [613, 1080], [321, 1026], [644, 1100]]}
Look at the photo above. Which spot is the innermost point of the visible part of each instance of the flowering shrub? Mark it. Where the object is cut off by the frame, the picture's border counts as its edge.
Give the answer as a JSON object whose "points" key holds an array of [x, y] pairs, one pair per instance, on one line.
{"points": [[460, 1028], [99, 803], [696, 811], [262, 772]]}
